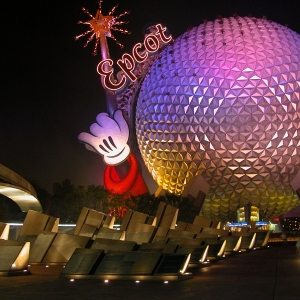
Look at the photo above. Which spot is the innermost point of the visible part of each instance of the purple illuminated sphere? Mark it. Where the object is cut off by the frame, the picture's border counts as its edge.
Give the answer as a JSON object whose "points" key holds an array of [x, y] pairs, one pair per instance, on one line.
{"points": [[223, 101]]}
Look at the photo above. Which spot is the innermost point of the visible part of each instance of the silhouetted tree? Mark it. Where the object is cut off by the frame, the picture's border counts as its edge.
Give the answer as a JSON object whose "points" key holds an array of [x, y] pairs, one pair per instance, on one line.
{"points": [[148, 204], [63, 201], [67, 200], [43, 196], [9, 210], [97, 198]]}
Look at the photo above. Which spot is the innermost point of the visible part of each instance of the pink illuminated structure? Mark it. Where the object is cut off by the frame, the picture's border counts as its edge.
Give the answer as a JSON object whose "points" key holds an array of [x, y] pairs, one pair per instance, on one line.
{"points": [[223, 101]]}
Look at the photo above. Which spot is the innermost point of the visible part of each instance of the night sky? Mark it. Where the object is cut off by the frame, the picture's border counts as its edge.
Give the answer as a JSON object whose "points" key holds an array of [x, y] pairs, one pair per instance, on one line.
{"points": [[50, 90]]}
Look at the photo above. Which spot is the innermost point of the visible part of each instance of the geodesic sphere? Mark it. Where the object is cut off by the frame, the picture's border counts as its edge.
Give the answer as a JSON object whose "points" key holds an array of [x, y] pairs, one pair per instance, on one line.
{"points": [[223, 100]]}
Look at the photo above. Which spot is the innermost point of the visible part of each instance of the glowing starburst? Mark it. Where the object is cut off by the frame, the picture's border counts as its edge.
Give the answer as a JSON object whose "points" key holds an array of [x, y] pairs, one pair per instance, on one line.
{"points": [[100, 25]]}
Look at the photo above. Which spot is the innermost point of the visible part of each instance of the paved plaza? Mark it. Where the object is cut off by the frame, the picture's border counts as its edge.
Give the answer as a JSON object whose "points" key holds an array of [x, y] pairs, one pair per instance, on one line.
{"points": [[272, 273]]}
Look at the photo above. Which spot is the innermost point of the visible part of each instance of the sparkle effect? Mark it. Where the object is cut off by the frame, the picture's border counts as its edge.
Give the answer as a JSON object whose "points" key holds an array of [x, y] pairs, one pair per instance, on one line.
{"points": [[223, 101], [102, 25]]}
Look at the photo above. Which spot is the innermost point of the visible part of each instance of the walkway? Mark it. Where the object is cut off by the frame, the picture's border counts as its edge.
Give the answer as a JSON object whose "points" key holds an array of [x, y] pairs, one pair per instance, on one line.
{"points": [[269, 274]]}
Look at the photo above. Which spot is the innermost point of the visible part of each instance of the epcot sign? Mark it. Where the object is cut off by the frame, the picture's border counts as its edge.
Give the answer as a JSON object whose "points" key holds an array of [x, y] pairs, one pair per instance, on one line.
{"points": [[128, 62]]}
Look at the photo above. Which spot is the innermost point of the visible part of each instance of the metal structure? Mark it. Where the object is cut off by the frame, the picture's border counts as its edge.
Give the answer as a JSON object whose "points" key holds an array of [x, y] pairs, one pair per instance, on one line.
{"points": [[18, 189], [223, 101]]}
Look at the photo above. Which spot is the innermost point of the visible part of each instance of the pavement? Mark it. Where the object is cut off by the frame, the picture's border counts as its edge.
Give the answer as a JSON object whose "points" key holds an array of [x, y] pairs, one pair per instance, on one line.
{"points": [[271, 273]]}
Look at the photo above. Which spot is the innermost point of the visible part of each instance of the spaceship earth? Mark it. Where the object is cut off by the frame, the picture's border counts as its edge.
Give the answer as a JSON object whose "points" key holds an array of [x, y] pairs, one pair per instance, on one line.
{"points": [[223, 101]]}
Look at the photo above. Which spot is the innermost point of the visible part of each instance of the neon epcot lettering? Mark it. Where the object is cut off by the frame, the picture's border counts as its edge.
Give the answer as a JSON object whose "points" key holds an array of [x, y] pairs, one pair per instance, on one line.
{"points": [[127, 62]]}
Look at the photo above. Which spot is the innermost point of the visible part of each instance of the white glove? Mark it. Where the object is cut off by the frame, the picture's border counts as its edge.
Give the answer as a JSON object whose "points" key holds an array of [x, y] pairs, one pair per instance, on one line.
{"points": [[108, 137]]}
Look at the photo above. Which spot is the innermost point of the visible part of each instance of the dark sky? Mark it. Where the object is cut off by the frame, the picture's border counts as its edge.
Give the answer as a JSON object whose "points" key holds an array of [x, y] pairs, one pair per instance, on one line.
{"points": [[50, 90]]}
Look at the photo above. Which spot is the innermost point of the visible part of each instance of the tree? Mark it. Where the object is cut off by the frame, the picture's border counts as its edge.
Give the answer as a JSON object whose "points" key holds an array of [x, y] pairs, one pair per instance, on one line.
{"points": [[64, 202], [118, 205], [148, 204], [67, 200], [9, 210], [97, 198], [43, 196]]}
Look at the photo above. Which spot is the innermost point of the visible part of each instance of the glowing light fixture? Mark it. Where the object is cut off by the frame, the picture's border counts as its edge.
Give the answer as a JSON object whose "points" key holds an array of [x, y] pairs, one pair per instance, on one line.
{"points": [[185, 265], [102, 25]]}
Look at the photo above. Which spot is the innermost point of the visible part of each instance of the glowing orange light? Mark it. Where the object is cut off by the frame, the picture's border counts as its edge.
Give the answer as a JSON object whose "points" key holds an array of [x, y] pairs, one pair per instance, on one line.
{"points": [[101, 24]]}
